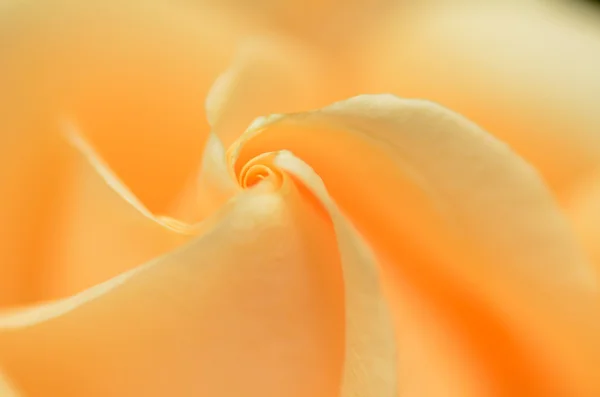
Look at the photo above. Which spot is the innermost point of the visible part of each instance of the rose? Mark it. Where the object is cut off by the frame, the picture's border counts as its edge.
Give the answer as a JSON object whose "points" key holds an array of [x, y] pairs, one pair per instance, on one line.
{"points": [[98, 219], [279, 293]]}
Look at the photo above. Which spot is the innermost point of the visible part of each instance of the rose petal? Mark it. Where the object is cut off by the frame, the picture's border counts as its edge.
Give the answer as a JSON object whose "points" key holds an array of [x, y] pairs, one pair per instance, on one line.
{"points": [[60, 58], [134, 74], [208, 190], [323, 22], [27, 181], [527, 72], [583, 208], [98, 227], [254, 307], [269, 75], [6, 390], [69, 222], [456, 214], [370, 366]]}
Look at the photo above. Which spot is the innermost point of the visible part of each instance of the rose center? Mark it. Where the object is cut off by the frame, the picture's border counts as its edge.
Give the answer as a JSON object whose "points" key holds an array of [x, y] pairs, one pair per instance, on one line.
{"points": [[258, 169]]}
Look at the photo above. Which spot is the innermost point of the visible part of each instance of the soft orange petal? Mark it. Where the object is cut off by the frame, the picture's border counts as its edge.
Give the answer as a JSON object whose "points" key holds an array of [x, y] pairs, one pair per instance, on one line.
{"points": [[63, 211], [330, 23], [98, 228], [527, 72], [134, 74], [254, 307], [210, 188], [457, 215], [27, 183]]}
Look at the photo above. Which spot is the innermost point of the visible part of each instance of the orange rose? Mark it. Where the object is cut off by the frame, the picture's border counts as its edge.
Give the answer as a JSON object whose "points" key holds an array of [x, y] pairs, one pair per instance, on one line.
{"points": [[377, 246]]}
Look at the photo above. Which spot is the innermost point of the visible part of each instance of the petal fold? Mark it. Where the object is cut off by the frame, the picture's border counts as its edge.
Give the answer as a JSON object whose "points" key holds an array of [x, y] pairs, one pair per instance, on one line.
{"points": [[269, 75], [134, 74], [456, 214], [371, 356], [253, 307], [526, 72]]}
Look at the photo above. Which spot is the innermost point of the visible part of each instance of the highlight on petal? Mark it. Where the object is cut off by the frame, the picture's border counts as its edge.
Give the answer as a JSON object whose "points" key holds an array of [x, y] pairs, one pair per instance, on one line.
{"points": [[583, 209], [455, 214], [252, 307], [371, 357], [525, 71], [370, 354], [269, 75], [99, 229], [6, 390]]}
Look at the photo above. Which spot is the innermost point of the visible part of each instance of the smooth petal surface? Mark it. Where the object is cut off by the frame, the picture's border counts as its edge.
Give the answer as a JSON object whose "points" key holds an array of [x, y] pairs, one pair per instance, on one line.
{"points": [[6, 390], [371, 357], [583, 208], [253, 307], [527, 72], [469, 225], [134, 74], [370, 354], [323, 22], [212, 187], [269, 75], [99, 228], [69, 223], [24, 199]]}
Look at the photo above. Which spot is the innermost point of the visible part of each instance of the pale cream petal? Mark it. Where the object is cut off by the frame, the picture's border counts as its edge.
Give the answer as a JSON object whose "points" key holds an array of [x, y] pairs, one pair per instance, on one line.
{"points": [[6, 390], [526, 72], [457, 214], [254, 307], [371, 356], [269, 75]]}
